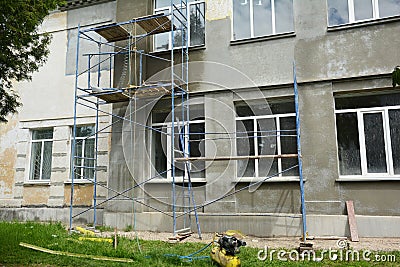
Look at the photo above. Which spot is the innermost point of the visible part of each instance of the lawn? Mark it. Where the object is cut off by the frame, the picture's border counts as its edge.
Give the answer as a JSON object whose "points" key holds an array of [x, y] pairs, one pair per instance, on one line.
{"points": [[151, 253]]}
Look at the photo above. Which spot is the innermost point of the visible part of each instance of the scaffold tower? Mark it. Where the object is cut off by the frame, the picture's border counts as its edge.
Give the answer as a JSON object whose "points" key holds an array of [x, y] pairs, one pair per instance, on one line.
{"points": [[94, 91]]}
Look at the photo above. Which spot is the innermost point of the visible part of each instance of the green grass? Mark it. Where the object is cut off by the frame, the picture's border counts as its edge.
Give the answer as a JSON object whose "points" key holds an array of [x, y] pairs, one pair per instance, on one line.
{"points": [[53, 236]]}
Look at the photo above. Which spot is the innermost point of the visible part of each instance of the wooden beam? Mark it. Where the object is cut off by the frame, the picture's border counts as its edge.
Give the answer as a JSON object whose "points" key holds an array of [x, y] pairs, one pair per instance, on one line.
{"points": [[236, 157], [69, 254], [352, 221]]}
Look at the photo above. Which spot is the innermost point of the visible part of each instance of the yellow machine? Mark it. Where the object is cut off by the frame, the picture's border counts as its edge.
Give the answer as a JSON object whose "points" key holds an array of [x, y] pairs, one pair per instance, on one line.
{"points": [[224, 250]]}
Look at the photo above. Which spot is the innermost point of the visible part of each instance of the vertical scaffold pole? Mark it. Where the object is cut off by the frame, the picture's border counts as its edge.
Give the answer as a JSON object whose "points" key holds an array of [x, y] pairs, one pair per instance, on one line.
{"points": [[173, 120], [96, 142], [299, 157], [72, 163]]}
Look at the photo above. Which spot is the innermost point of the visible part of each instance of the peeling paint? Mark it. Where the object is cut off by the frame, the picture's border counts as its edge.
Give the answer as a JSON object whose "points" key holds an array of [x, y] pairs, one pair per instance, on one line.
{"points": [[7, 171], [83, 195], [36, 195], [218, 9]]}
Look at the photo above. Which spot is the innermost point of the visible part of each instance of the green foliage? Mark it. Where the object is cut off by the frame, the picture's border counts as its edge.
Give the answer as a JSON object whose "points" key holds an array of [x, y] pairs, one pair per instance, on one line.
{"points": [[396, 76], [22, 49]]}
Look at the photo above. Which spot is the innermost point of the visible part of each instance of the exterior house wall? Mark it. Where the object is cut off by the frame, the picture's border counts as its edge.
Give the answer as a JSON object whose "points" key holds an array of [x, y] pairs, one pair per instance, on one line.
{"points": [[330, 61], [48, 102]]}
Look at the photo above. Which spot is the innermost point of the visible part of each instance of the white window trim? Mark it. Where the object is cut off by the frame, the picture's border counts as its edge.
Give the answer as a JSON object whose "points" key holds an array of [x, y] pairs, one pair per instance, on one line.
{"points": [[168, 9], [79, 180], [273, 23], [178, 179], [365, 176], [28, 179], [279, 177]]}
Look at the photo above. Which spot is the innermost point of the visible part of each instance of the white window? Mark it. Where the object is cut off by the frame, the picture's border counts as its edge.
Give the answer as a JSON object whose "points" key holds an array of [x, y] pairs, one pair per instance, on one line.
{"points": [[41, 154], [368, 135], [270, 134], [196, 24], [85, 152], [350, 11], [161, 144], [254, 18]]}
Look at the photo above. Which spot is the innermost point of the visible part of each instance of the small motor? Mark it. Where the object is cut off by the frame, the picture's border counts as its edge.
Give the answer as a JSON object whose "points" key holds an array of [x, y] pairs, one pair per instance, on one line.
{"points": [[225, 249], [231, 244]]}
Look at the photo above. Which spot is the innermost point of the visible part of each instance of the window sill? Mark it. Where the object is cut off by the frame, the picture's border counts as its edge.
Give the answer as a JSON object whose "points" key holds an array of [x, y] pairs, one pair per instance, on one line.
{"points": [[168, 181], [164, 52], [272, 180], [33, 183], [363, 23], [367, 179], [263, 38], [78, 182]]}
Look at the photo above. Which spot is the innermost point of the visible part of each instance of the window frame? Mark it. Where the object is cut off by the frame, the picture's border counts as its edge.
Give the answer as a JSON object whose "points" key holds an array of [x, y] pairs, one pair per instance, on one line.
{"points": [[42, 141], [351, 10], [80, 178], [168, 126], [273, 24], [276, 118], [365, 175], [168, 11]]}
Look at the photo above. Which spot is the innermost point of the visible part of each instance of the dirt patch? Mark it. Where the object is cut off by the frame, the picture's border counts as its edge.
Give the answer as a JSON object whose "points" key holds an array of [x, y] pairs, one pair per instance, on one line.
{"points": [[373, 244]]}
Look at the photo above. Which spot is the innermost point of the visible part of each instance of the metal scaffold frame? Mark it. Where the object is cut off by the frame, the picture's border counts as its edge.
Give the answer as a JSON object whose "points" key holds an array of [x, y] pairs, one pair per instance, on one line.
{"points": [[96, 96]]}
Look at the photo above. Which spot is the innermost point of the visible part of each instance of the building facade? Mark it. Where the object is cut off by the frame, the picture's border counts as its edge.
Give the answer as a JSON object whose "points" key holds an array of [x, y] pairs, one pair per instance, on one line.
{"points": [[241, 71]]}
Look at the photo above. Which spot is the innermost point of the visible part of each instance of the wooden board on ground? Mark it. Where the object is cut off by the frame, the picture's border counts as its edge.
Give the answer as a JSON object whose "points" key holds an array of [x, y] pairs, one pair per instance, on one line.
{"points": [[352, 221]]}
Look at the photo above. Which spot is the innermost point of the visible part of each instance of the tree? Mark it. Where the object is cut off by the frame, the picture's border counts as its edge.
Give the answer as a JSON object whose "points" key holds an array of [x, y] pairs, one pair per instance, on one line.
{"points": [[22, 48], [396, 76]]}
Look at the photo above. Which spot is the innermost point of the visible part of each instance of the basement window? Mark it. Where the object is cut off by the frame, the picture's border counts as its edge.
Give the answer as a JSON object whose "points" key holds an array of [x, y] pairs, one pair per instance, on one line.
{"points": [[41, 154], [368, 136]]}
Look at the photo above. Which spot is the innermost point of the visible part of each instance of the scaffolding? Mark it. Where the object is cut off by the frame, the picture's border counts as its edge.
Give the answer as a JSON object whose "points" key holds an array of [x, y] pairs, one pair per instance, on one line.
{"points": [[94, 91], [97, 92]]}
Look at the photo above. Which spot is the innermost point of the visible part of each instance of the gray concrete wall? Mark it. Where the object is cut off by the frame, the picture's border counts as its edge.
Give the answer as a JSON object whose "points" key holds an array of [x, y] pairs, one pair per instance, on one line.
{"points": [[322, 55]]}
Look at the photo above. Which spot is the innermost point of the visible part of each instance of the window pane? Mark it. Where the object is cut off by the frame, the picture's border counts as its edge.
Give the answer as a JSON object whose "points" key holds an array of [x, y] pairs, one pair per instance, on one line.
{"points": [[367, 101], [42, 134], [36, 160], [78, 159], [281, 107], [266, 143], [394, 121], [245, 147], [197, 149], [289, 145], [197, 28], [284, 15], [362, 9], [47, 156], [159, 147], [348, 144], [179, 34], [262, 17], [84, 131], [89, 158], [338, 12], [241, 19], [375, 143], [389, 8]]}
